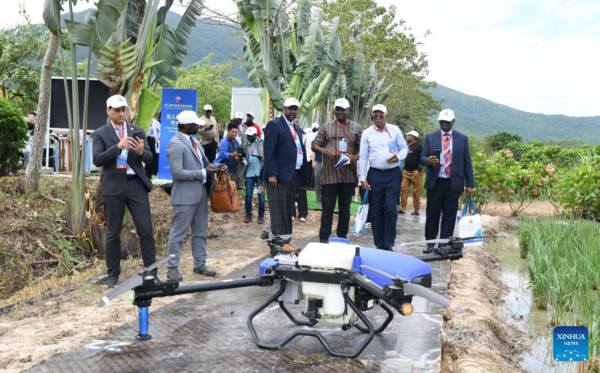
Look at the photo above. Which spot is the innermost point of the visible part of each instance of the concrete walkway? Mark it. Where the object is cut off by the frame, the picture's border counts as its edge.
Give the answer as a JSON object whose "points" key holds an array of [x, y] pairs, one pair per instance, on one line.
{"points": [[208, 333]]}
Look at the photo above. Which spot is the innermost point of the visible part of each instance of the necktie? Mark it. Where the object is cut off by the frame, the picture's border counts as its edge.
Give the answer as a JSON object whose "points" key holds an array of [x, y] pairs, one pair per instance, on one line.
{"points": [[194, 146], [446, 153]]}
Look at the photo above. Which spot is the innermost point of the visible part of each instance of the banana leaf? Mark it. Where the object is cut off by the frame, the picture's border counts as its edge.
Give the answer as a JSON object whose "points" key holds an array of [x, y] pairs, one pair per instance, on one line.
{"points": [[274, 93], [147, 107], [48, 14], [315, 92]]}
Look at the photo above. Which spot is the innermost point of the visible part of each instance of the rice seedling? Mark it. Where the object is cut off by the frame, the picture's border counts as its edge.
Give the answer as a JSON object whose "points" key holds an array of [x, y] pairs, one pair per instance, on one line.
{"points": [[563, 259]]}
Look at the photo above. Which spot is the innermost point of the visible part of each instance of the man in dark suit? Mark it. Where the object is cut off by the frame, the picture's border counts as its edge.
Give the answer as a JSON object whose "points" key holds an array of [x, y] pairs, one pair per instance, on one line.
{"points": [[446, 153], [192, 184], [286, 168], [119, 149]]}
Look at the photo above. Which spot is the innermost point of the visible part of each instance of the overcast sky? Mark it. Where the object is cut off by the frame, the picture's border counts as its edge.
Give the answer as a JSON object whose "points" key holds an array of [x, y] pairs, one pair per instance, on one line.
{"points": [[535, 55]]}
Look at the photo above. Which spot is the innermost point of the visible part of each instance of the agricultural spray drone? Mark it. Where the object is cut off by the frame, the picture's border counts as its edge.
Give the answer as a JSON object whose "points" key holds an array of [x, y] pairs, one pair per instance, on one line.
{"points": [[336, 283]]}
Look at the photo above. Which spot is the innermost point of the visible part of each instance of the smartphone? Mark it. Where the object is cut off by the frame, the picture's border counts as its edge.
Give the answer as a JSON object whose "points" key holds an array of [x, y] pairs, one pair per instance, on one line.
{"points": [[217, 165], [436, 153], [241, 154], [137, 134]]}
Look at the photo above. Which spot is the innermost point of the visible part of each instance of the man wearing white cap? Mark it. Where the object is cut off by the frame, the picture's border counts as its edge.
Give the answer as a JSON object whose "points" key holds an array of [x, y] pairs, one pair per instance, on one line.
{"points": [[192, 184], [412, 174], [119, 148], [383, 148], [285, 168], [250, 123], [446, 153], [336, 139], [254, 157], [209, 134]]}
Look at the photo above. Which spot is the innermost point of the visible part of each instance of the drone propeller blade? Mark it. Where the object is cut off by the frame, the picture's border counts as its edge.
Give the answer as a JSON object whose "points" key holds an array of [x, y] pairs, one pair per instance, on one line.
{"points": [[439, 241], [379, 272], [130, 283], [447, 240], [159, 263], [423, 292]]}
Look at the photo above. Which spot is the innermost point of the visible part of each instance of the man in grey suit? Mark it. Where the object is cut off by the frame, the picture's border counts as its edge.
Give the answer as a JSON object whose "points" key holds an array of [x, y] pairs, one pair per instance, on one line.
{"points": [[192, 184]]}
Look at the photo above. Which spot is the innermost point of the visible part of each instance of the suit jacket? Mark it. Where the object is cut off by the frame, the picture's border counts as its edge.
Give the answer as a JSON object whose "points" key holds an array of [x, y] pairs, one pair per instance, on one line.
{"points": [[280, 152], [462, 168], [105, 153], [187, 173]]}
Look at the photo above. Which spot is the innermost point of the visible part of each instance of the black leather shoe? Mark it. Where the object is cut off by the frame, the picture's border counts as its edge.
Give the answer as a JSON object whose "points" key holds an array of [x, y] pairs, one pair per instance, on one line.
{"points": [[248, 219], [415, 213], [205, 271], [401, 212], [264, 235], [173, 274], [428, 249], [111, 282]]}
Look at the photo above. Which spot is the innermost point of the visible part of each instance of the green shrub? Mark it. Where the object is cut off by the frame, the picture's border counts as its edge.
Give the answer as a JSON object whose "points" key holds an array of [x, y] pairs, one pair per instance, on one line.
{"points": [[579, 189], [13, 134]]}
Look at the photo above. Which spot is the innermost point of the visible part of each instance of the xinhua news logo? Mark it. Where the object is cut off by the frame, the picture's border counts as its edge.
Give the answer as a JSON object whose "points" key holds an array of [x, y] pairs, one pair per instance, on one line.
{"points": [[571, 343]]}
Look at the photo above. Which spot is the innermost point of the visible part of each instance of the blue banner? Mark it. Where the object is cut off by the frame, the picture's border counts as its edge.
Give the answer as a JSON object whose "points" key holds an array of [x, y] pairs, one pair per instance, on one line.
{"points": [[174, 101]]}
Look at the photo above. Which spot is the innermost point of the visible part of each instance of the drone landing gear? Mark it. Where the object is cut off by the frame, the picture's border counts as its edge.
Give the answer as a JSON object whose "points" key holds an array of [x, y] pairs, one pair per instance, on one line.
{"points": [[310, 333], [385, 323]]}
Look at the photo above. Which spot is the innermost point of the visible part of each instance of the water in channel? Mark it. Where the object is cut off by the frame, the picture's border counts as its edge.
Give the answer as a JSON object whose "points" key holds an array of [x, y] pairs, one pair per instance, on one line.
{"points": [[520, 309]]}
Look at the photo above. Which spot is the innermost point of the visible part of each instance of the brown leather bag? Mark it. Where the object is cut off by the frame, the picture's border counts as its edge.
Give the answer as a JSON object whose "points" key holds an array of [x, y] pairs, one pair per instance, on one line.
{"points": [[224, 196]]}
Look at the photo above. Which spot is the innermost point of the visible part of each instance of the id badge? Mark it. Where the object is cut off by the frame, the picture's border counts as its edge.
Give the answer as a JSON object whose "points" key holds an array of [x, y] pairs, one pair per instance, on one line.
{"points": [[343, 146], [392, 146], [121, 163], [251, 160]]}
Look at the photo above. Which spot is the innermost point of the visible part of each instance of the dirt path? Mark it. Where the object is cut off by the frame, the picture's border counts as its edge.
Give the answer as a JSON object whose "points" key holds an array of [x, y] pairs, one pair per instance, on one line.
{"points": [[46, 326], [33, 333]]}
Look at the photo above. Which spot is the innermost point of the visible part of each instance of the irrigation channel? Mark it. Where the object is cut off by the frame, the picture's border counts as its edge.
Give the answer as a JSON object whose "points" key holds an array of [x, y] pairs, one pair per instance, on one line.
{"points": [[520, 310]]}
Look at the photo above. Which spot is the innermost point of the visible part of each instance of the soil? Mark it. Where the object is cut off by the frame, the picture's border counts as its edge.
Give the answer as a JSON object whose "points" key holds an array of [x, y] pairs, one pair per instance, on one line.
{"points": [[479, 340], [26, 338]]}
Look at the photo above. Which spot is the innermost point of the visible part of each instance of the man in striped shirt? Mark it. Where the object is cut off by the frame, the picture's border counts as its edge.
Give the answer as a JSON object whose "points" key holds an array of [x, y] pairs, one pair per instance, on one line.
{"points": [[340, 136]]}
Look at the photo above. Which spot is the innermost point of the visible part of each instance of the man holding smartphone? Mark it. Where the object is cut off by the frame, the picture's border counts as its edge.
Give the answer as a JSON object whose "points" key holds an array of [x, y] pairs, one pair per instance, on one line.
{"points": [[209, 134], [382, 148], [446, 152], [192, 184], [119, 149]]}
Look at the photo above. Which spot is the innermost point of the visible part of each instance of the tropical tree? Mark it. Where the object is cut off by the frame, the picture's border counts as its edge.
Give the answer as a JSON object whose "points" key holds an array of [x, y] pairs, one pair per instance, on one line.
{"points": [[21, 52], [144, 52], [91, 35], [290, 52], [213, 83], [389, 43]]}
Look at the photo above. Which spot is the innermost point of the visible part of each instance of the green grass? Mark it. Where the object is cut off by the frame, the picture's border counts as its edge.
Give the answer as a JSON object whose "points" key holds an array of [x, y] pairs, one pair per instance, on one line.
{"points": [[563, 259], [311, 197]]}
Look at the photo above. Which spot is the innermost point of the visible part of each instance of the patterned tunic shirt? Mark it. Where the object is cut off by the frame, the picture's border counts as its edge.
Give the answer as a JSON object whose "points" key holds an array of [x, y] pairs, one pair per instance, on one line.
{"points": [[329, 136]]}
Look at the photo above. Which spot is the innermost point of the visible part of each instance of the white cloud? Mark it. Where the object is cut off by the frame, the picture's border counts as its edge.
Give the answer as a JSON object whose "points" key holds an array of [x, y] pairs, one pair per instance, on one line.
{"points": [[538, 56]]}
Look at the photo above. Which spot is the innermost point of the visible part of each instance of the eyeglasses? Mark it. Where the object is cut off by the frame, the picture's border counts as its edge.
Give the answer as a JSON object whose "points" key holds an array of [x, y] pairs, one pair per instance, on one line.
{"points": [[378, 116]]}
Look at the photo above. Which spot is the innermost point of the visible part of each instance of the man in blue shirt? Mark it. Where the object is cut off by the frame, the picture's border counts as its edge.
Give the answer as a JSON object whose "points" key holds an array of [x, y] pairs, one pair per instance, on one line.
{"points": [[254, 155], [383, 148], [228, 151]]}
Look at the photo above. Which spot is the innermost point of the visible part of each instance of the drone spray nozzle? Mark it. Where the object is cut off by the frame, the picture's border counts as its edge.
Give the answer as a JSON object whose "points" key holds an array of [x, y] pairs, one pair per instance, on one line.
{"points": [[356, 261]]}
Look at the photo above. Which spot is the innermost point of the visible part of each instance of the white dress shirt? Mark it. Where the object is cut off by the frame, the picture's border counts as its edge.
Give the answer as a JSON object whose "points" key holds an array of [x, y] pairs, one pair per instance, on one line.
{"points": [[375, 151], [299, 154]]}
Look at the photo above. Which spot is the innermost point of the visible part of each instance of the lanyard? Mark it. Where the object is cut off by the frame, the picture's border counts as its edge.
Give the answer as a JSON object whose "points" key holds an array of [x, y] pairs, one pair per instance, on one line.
{"points": [[253, 149], [120, 134], [294, 132], [384, 128], [342, 127]]}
